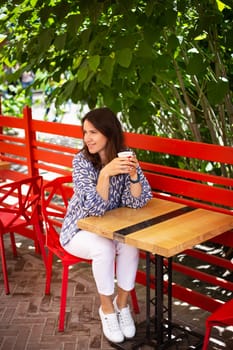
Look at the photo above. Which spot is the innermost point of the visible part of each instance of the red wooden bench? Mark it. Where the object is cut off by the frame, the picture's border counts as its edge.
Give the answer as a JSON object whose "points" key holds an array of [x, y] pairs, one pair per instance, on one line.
{"points": [[48, 148]]}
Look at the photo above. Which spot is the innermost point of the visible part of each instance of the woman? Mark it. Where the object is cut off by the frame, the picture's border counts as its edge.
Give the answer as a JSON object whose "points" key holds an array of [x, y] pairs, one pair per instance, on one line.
{"points": [[102, 182]]}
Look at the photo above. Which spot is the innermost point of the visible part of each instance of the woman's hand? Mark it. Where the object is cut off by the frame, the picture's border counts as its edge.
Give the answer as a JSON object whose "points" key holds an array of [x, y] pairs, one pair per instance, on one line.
{"points": [[121, 165]]}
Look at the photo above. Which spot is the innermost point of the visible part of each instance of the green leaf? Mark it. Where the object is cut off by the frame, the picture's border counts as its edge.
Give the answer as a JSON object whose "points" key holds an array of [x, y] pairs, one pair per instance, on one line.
{"points": [[172, 43], [217, 90], [67, 90], [94, 62], [88, 80], [61, 10], [60, 42], [144, 49], [124, 57], [105, 75], [108, 97], [33, 2], [128, 40], [116, 105], [161, 62], [196, 64], [151, 33], [77, 61], [73, 23], [45, 39], [221, 5], [82, 73], [139, 113], [146, 71]]}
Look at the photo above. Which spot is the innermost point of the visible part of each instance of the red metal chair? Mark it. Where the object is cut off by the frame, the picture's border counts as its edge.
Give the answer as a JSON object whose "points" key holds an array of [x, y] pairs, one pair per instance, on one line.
{"points": [[223, 316], [19, 209], [55, 198]]}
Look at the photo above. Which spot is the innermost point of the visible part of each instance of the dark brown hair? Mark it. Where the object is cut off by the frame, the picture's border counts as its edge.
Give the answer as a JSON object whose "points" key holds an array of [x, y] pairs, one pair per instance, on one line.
{"points": [[105, 121]]}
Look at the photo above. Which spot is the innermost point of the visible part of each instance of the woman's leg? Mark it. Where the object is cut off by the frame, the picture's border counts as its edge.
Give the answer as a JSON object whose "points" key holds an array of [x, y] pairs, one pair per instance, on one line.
{"points": [[126, 269], [101, 251]]}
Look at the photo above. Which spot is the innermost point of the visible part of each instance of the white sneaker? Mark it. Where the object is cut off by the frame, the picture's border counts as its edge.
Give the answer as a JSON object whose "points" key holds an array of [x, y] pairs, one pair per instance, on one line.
{"points": [[125, 320], [111, 327]]}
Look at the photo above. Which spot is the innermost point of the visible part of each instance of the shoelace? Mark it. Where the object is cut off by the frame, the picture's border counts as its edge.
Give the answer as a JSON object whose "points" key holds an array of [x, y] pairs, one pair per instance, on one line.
{"points": [[112, 323], [125, 317]]}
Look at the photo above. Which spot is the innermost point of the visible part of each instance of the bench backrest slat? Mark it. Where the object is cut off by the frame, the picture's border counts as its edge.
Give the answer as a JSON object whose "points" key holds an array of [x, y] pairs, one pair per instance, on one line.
{"points": [[194, 191], [184, 148]]}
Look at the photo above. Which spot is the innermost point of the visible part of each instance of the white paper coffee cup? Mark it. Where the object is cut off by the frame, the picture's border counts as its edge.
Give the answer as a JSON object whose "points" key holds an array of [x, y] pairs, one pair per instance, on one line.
{"points": [[125, 154]]}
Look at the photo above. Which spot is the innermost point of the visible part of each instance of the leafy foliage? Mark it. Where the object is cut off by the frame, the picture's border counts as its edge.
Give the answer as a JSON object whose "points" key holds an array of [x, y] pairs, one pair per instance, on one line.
{"points": [[165, 65]]}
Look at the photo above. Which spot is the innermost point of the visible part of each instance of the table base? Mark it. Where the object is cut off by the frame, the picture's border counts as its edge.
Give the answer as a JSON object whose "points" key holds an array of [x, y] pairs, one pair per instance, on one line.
{"points": [[181, 339]]}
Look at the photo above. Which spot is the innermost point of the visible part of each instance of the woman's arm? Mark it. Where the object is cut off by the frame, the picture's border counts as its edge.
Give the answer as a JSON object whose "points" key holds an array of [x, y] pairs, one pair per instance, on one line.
{"points": [[85, 179], [102, 186], [137, 194]]}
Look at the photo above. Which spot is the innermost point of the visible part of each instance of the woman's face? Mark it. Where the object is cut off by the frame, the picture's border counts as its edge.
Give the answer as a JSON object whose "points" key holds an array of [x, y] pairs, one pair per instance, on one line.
{"points": [[94, 139]]}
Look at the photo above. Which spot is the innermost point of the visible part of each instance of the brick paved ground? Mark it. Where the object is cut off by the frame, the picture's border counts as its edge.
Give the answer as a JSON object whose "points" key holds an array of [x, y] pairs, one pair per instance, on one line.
{"points": [[28, 318]]}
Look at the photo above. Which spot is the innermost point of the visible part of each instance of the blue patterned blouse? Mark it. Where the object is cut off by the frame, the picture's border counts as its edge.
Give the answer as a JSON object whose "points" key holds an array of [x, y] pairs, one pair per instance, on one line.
{"points": [[87, 202]]}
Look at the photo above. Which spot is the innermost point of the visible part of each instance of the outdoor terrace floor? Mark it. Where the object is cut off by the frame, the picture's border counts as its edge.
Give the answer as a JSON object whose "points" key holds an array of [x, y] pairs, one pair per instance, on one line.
{"points": [[28, 318]]}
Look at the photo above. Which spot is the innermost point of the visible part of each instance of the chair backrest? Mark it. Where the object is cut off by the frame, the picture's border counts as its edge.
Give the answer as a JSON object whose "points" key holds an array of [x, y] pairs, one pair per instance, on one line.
{"points": [[55, 198], [19, 202]]}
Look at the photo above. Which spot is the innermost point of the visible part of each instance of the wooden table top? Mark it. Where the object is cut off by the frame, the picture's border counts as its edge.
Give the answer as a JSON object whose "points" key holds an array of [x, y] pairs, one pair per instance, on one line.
{"points": [[161, 227]]}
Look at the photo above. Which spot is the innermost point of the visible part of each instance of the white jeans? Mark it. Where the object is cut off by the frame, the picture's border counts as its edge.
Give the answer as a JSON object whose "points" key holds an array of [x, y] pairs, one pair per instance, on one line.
{"points": [[104, 253]]}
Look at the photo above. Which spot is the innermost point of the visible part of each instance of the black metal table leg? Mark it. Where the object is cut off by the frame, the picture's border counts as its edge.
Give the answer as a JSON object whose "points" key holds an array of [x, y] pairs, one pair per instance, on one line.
{"points": [[159, 299], [169, 295], [148, 301]]}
